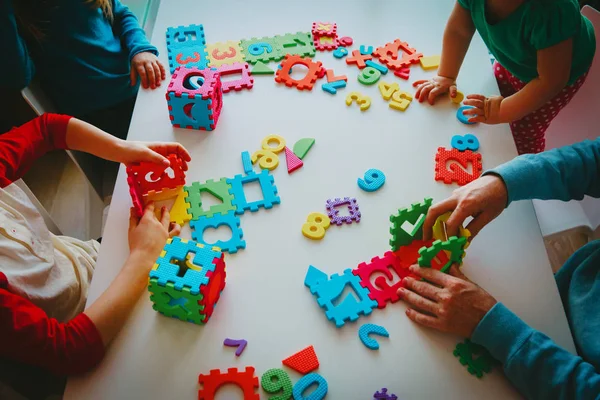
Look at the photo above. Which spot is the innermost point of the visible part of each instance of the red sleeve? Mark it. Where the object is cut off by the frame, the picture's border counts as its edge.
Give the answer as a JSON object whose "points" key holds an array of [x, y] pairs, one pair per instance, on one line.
{"points": [[21, 146], [28, 335]]}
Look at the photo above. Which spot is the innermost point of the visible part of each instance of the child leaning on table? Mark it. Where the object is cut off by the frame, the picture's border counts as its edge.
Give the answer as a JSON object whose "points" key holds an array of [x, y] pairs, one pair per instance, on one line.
{"points": [[543, 51], [44, 278]]}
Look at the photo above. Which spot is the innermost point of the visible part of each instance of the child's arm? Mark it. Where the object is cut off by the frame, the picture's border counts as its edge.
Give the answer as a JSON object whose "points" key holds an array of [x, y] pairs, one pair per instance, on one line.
{"points": [[554, 69], [457, 38], [17, 68]]}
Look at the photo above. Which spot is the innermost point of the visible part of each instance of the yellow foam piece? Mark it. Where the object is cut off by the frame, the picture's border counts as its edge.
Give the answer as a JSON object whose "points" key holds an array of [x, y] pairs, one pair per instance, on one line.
{"points": [[364, 102], [459, 97], [316, 225], [430, 62], [439, 230], [273, 138], [387, 89], [164, 194], [189, 261], [400, 100], [224, 53], [266, 159], [179, 212]]}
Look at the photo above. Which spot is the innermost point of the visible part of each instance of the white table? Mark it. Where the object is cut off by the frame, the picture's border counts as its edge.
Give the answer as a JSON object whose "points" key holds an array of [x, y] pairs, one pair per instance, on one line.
{"points": [[265, 301]]}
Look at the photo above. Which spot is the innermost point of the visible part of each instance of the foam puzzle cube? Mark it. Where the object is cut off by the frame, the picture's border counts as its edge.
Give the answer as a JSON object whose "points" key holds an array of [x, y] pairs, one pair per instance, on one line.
{"points": [[187, 280], [186, 47], [195, 98], [407, 224]]}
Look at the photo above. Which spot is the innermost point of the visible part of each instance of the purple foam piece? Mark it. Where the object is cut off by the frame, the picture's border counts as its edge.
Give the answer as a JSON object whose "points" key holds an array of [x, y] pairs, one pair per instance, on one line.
{"points": [[241, 345], [352, 208], [384, 396]]}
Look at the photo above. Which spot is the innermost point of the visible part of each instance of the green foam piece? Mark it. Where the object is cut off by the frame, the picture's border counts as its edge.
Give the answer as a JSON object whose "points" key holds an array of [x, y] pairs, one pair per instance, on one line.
{"points": [[407, 224], [276, 53], [300, 43], [302, 146], [454, 245], [175, 303], [275, 380], [261, 69], [219, 189], [476, 366]]}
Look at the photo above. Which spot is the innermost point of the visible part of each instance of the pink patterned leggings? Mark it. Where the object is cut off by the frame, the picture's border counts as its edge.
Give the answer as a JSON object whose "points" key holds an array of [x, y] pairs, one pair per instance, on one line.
{"points": [[529, 131]]}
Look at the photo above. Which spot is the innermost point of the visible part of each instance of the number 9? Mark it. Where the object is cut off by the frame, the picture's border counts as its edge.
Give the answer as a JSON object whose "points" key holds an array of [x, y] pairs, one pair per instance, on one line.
{"points": [[257, 49], [268, 159], [467, 142], [275, 380], [374, 179], [315, 226], [369, 76]]}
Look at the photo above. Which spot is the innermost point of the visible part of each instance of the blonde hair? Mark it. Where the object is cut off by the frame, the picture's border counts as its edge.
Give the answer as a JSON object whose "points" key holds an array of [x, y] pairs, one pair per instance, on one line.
{"points": [[105, 6]]}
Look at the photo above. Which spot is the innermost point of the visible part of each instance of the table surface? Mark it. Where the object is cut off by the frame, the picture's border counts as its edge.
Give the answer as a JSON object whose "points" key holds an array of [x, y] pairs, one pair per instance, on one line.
{"points": [[265, 300]]}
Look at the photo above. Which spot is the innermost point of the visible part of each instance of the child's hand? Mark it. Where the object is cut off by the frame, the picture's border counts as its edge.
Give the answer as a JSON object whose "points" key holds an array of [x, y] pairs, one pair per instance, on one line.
{"points": [[431, 88], [151, 70], [486, 109], [155, 152]]}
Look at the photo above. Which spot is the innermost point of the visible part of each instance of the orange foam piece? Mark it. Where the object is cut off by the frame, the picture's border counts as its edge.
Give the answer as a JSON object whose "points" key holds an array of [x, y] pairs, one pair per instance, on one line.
{"points": [[303, 361], [332, 78]]}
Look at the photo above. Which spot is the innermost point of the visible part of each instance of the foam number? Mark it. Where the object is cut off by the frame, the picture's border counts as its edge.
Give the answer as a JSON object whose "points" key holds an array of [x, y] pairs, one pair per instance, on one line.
{"points": [[226, 54], [315, 226], [400, 100], [388, 89], [275, 380], [373, 180], [364, 102], [340, 52], [273, 139], [369, 76], [466, 142], [259, 48], [305, 382], [267, 159], [189, 59]]}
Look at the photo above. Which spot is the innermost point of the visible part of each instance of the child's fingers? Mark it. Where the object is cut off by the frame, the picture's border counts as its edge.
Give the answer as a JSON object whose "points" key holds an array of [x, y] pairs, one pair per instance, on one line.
{"points": [[163, 73], [474, 103], [473, 111], [156, 73], [476, 97], [479, 118], [142, 72], [433, 94], [150, 73], [425, 92], [453, 91], [133, 76]]}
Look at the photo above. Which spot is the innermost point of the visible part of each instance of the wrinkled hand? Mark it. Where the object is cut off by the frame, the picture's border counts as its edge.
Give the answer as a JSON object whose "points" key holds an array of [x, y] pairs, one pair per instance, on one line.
{"points": [[450, 303], [487, 109], [483, 199], [155, 152], [431, 88], [150, 70], [148, 234]]}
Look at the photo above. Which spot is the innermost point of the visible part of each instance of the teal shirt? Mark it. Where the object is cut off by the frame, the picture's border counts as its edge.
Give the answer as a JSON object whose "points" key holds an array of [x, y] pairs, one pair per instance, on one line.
{"points": [[538, 367], [83, 61], [535, 25]]}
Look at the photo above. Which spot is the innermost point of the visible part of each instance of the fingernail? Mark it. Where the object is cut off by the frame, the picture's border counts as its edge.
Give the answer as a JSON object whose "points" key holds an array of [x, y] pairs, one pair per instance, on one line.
{"points": [[400, 292], [407, 311], [413, 268]]}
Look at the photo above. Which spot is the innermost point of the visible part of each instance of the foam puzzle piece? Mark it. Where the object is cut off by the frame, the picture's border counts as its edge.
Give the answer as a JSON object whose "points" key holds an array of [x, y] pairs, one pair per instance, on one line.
{"points": [[333, 212], [292, 161], [409, 254], [180, 304], [304, 361], [345, 41], [136, 196], [239, 343], [364, 102], [366, 50], [246, 381], [458, 98], [381, 68], [313, 278], [187, 56], [466, 142], [340, 52], [261, 69], [275, 380], [178, 212], [324, 29], [403, 73], [245, 82], [219, 189], [231, 220], [305, 382], [176, 250], [325, 43], [476, 366], [384, 289], [369, 76], [299, 44], [371, 329], [302, 146], [266, 159], [358, 59], [462, 117], [439, 229], [185, 36], [283, 75], [246, 162], [221, 53], [400, 100], [152, 177], [269, 191], [383, 395], [212, 291], [349, 308], [407, 224], [389, 55], [373, 180], [387, 89], [332, 87], [332, 78], [315, 226], [454, 245], [430, 62], [271, 50], [277, 140], [459, 159]]}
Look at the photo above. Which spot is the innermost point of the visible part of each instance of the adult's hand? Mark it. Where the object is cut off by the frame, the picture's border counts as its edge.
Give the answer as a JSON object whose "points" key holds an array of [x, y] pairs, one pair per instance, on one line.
{"points": [[483, 199], [448, 303]]}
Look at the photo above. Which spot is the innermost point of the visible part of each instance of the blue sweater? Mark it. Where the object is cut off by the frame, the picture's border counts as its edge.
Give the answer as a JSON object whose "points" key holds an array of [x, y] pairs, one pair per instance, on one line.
{"points": [[532, 361], [83, 61]]}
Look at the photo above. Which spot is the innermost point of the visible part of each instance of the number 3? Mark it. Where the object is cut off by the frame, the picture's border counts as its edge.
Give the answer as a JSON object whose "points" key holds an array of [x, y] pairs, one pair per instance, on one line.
{"points": [[188, 59], [315, 226], [223, 55], [374, 179], [363, 101]]}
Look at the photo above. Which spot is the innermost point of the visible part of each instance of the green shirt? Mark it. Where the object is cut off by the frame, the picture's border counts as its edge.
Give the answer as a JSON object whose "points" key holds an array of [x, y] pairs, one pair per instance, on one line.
{"points": [[535, 25]]}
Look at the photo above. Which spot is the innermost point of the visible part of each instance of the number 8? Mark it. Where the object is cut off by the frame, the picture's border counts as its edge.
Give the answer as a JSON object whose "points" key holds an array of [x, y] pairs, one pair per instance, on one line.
{"points": [[467, 142], [315, 226]]}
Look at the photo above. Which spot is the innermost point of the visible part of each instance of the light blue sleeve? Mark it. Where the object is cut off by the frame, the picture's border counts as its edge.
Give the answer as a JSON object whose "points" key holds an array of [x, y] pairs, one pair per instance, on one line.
{"points": [[17, 68], [128, 28], [537, 366], [566, 173]]}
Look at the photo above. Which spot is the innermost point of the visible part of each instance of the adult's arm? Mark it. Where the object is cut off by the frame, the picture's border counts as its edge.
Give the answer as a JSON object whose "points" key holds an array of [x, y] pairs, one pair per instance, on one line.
{"points": [[17, 68], [128, 28]]}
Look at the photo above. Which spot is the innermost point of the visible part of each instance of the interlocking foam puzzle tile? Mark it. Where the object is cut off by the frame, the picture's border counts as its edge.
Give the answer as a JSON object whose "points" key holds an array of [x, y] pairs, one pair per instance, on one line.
{"points": [[156, 177], [333, 212], [381, 68], [384, 289], [292, 161], [439, 229], [371, 329], [358, 59], [456, 173], [383, 395], [177, 249], [409, 255], [333, 86], [403, 73], [324, 29], [185, 36], [389, 55], [430, 62], [137, 198], [340, 52], [302, 146], [269, 191], [180, 82], [304, 361], [245, 82], [332, 78], [313, 278], [246, 162], [277, 380], [261, 69], [191, 56], [240, 345], [232, 245], [347, 309], [219, 189], [407, 224], [366, 50], [272, 50], [325, 43], [180, 304], [246, 381], [305, 382], [476, 366], [224, 53], [178, 212], [299, 44], [283, 75], [212, 291], [454, 245]]}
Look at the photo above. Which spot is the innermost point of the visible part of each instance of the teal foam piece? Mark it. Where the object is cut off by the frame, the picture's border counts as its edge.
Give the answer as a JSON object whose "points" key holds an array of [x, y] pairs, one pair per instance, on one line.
{"points": [[247, 162], [201, 112], [231, 220], [371, 329], [366, 50], [269, 191], [464, 118], [313, 277], [331, 87], [307, 380], [340, 52], [379, 67], [182, 36], [376, 177], [190, 56]]}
